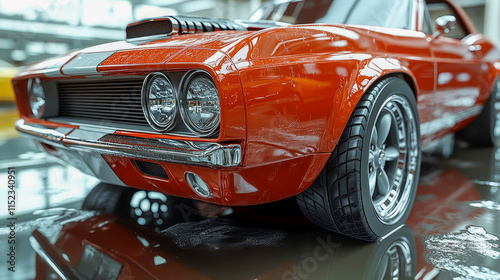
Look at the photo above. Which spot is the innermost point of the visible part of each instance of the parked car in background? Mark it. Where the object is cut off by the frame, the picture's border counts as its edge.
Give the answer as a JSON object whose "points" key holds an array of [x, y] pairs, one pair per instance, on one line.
{"points": [[334, 109]]}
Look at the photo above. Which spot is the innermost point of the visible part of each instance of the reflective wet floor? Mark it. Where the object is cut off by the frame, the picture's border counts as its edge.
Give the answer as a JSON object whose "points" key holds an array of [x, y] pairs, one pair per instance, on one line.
{"points": [[452, 232]]}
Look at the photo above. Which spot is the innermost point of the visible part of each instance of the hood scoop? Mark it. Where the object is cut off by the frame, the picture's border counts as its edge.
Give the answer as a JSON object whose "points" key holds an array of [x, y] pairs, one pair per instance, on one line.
{"points": [[164, 27]]}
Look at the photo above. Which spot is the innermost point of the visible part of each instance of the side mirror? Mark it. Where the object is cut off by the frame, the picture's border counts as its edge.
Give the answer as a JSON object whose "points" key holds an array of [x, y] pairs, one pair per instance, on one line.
{"points": [[445, 25]]}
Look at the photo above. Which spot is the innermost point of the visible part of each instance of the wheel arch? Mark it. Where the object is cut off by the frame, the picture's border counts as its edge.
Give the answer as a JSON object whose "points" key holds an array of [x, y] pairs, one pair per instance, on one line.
{"points": [[387, 67], [409, 80], [369, 73]]}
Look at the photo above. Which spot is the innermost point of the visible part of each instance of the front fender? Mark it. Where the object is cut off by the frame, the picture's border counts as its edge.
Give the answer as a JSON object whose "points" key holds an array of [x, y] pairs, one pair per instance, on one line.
{"points": [[298, 107]]}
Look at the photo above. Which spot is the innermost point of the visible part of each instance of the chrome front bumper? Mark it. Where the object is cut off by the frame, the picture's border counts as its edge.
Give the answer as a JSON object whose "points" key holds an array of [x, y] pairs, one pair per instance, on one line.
{"points": [[183, 152]]}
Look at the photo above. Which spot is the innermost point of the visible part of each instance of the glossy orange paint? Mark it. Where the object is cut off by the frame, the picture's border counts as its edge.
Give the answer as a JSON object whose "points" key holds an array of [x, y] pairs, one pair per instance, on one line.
{"points": [[238, 186], [109, 236], [288, 92], [231, 252]]}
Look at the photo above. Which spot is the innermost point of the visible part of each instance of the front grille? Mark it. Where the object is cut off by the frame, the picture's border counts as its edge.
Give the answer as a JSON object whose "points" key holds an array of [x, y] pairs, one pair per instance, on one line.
{"points": [[104, 101]]}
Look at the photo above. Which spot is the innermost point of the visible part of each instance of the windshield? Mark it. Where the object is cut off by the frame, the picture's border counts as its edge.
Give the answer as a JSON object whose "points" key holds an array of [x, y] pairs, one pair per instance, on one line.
{"points": [[384, 13]]}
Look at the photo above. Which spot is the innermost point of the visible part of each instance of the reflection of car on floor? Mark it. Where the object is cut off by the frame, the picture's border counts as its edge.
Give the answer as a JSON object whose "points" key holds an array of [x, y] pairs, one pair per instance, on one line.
{"points": [[7, 72], [87, 246], [250, 112]]}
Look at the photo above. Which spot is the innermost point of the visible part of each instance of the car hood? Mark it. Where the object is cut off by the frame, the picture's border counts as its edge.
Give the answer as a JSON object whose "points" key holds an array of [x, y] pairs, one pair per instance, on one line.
{"points": [[237, 45]]}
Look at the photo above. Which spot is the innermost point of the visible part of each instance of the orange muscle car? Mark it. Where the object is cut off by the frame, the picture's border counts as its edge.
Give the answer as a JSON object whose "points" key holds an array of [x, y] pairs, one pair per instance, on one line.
{"points": [[334, 109]]}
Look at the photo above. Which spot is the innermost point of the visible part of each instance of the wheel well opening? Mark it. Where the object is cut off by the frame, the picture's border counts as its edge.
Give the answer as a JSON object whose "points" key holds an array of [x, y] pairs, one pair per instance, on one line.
{"points": [[409, 80]]}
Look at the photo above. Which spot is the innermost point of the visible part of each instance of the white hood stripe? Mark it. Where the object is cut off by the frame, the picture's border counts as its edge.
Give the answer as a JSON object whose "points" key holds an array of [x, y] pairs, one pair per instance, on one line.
{"points": [[85, 63]]}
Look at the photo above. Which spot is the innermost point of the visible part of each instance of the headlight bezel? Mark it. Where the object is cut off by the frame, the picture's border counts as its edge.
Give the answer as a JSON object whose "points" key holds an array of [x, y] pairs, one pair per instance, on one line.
{"points": [[146, 86], [182, 98], [32, 83]]}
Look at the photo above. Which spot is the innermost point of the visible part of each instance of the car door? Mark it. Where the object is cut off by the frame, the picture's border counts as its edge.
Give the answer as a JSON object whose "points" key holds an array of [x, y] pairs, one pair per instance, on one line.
{"points": [[458, 71]]}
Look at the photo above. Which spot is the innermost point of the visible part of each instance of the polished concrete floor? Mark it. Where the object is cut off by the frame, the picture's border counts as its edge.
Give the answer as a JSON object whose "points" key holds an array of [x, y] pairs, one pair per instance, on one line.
{"points": [[452, 233]]}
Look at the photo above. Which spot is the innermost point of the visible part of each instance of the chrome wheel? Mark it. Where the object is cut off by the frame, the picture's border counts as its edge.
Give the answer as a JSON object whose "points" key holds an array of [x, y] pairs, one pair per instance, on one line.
{"points": [[396, 262], [393, 157]]}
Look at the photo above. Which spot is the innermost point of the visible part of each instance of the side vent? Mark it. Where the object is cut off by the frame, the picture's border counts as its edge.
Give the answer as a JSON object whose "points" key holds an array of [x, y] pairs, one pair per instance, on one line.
{"points": [[151, 169]]}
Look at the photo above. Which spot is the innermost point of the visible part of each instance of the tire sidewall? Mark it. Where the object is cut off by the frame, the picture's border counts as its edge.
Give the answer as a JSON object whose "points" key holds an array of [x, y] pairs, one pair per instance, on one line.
{"points": [[399, 87]]}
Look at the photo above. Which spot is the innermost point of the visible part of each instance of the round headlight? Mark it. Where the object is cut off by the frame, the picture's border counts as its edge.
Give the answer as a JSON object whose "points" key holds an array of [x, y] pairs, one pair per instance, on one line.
{"points": [[158, 102], [200, 104], [37, 98]]}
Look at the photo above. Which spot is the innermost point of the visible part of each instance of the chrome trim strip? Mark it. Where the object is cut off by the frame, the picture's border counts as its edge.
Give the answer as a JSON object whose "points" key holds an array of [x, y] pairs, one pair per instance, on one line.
{"points": [[39, 131], [184, 152], [449, 121]]}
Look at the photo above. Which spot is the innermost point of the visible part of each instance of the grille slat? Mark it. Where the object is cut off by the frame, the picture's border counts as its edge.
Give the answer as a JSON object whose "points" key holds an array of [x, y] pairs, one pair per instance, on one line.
{"points": [[79, 103], [116, 101], [104, 111], [125, 90], [127, 105], [112, 85], [107, 118], [108, 98], [99, 83], [85, 100]]}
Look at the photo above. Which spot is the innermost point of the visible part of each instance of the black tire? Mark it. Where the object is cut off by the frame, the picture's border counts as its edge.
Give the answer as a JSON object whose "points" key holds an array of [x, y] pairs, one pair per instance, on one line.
{"points": [[341, 199], [481, 132]]}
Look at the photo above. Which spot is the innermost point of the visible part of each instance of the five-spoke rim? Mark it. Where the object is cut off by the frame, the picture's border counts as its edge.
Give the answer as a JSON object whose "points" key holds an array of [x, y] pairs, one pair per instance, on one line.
{"points": [[392, 159]]}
